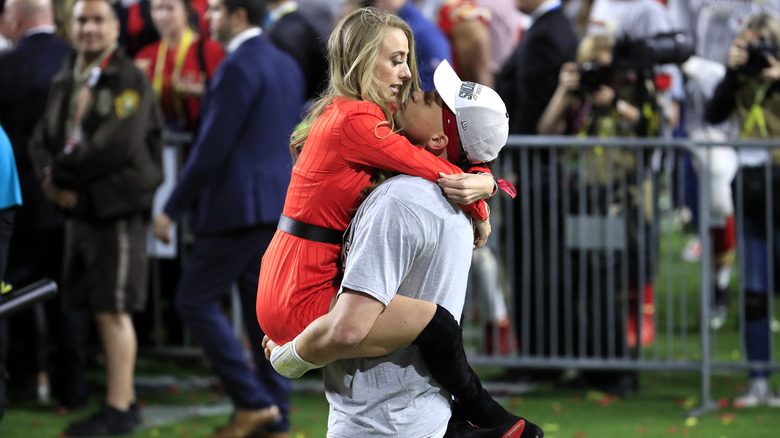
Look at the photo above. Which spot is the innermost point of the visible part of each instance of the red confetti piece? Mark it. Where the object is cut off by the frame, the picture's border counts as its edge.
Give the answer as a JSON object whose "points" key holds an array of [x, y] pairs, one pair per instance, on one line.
{"points": [[641, 429], [62, 410], [36, 422], [672, 430], [680, 401], [293, 409], [558, 410], [577, 400], [726, 417], [686, 431], [604, 401], [723, 403], [580, 434]]}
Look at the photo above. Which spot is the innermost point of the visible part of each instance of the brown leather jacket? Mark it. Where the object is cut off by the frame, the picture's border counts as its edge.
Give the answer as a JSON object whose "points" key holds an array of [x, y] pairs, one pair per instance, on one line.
{"points": [[117, 166]]}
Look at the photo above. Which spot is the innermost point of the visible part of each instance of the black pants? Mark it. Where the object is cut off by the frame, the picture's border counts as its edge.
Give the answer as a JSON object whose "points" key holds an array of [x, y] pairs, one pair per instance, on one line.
{"points": [[6, 229]]}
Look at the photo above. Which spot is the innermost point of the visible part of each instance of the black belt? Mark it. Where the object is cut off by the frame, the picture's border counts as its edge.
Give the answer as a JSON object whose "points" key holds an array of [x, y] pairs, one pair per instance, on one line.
{"points": [[309, 231]]}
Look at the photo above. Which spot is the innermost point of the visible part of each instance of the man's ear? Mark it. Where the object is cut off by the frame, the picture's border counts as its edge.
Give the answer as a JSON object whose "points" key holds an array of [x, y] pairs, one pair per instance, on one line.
{"points": [[437, 144]]}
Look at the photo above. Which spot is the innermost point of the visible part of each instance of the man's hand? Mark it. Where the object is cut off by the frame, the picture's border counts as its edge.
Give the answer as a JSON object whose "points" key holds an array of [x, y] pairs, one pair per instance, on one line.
{"points": [[481, 233], [286, 360], [466, 188], [162, 227], [63, 198]]}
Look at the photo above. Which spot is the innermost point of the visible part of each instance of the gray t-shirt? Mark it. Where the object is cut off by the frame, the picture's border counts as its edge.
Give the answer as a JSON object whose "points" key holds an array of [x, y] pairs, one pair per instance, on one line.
{"points": [[408, 239]]}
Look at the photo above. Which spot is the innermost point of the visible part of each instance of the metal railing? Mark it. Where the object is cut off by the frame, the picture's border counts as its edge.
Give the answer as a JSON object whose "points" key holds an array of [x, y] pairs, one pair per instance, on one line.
{"points": [[592, 247]]}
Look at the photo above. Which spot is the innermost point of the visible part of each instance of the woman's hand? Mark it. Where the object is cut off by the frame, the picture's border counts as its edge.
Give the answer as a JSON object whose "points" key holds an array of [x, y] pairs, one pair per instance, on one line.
{"points": [[773, 71], [738, 55], [481, 232], [268, 346], [465, 188], [569, 77]]}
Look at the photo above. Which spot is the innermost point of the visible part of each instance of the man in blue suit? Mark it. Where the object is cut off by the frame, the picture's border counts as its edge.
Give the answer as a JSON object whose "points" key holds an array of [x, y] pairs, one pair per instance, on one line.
{"points": [[234, 184], [26, 74]]}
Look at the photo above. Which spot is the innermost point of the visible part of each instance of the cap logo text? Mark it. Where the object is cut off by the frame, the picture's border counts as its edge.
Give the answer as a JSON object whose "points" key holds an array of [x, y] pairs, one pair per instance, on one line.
{"points": [[470, 90]]}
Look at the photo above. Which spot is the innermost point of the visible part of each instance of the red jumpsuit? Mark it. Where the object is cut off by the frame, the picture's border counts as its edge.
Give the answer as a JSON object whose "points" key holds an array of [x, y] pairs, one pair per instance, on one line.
{"points": [[298, 277]]}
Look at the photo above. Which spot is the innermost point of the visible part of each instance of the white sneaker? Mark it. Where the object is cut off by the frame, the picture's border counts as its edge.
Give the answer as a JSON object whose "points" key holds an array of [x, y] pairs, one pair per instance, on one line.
{"points": [[774, 400], [758, 393]]}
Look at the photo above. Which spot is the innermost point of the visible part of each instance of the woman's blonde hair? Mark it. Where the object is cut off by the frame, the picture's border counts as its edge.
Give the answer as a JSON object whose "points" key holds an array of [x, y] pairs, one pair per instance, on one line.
{"points": [[353, 50], [592, 46], [765, 26]]}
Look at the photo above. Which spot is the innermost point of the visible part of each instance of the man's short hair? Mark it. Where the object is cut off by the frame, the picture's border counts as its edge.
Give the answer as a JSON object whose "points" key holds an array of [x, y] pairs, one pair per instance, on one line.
{"points": [[255, 9], [109, 2]]}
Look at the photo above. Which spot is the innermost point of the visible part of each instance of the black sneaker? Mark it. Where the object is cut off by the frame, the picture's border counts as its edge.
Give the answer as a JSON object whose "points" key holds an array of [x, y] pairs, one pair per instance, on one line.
{"points": [[135, 410], [107, 421]]}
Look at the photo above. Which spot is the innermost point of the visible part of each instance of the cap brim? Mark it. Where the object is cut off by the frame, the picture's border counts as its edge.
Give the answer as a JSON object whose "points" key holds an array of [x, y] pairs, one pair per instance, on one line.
{"points": [[447, 83]]}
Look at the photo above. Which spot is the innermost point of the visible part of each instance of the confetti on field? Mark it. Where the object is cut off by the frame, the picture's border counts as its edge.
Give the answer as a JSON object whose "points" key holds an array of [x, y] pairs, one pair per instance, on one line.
{"points": [[726, 419], [551, 427], [36, 422], [557, 408], [641, 429], [723, 403], [577, 400], [62, 410], [686, 431], [594, 395], [672, 430], [691, 422], [174, 389], [735, 354], [580, 434], [690, 402]]}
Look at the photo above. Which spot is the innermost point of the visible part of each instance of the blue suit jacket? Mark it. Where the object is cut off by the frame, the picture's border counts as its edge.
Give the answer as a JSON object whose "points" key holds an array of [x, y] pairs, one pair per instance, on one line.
{"points": [[26, 74], [237, 173]]}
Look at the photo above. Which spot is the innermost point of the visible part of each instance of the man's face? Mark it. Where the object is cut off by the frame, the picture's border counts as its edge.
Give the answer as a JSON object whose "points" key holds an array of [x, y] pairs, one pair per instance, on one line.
{"points": [[95, 28], [219, 21], [420, 117]]}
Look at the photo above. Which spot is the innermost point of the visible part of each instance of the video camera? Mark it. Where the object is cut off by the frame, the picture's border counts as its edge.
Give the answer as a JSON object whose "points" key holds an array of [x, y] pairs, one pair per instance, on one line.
{"points": [[639, 54], [758, 56]]}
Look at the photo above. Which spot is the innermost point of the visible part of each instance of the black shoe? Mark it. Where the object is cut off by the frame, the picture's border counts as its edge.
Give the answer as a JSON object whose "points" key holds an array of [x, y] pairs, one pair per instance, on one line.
{"points": [[135, 410], [107, 421]]}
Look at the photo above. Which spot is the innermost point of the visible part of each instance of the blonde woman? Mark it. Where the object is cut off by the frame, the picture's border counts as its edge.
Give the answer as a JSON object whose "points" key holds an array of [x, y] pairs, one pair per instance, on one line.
{"points": [[348, 134]]}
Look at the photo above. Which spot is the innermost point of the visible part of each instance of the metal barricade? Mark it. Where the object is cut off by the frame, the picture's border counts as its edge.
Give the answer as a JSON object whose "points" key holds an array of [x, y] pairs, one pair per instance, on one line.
{"points": [[591, 247]]}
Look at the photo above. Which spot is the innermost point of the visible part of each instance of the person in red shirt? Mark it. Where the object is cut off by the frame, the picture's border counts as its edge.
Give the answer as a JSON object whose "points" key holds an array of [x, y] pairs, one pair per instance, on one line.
{"points": [[348, 133], [179, 64]]}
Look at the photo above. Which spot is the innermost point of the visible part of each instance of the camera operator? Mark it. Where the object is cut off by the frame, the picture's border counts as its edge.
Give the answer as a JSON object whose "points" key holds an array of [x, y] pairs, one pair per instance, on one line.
{"points": [[750, 92], [595, 99]]}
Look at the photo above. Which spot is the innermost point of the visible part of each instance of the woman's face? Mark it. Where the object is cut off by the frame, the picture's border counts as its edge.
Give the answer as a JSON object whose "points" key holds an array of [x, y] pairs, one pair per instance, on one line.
{"points": [[169, 16], [391, 69]]}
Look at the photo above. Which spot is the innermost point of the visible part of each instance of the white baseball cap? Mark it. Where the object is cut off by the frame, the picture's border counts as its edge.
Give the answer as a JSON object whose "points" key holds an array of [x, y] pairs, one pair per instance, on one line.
{"points": [[483, 122]]}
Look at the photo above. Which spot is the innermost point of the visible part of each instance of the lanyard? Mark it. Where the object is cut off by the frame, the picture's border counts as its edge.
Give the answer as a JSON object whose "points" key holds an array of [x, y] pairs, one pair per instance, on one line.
{"points": [[159, 66], [756, 115], [75, 136]]}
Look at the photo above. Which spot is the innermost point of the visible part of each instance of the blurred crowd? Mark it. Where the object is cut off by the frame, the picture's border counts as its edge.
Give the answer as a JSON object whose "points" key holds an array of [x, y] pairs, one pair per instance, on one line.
{"points": [[700, 69]]}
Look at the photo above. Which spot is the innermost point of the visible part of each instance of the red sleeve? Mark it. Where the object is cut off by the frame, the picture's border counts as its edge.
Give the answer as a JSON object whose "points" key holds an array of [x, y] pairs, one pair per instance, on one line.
{"points": [[366, 140], [213, 54]]}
